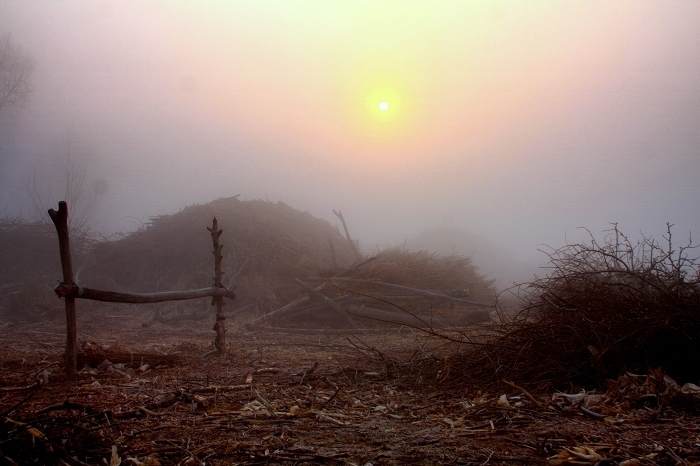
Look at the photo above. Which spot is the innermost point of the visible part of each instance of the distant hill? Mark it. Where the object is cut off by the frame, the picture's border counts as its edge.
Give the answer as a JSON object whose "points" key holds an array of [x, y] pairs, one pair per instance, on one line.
{"points": [[493, 260]]}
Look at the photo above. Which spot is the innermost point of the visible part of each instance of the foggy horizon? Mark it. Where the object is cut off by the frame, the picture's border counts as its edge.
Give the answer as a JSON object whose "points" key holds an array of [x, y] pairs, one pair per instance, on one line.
{"points": [[516, 121]]}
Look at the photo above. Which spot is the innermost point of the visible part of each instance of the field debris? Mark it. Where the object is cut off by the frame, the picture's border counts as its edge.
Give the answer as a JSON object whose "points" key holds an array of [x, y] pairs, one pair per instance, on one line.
{"points": [[281, 402], [393, 288], [398, 358]]}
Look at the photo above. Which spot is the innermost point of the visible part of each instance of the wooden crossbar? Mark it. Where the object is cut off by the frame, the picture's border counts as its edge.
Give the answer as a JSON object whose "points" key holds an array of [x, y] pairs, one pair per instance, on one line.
{"points": [[70, 291]]}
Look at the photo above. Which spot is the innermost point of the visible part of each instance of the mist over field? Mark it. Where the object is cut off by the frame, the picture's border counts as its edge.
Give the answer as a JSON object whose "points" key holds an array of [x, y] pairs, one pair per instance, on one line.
{"points": [[438, 230], [506, 125]]}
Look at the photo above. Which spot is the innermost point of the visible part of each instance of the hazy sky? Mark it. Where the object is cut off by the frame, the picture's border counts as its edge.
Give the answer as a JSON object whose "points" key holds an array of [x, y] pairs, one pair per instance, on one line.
{"points": [[519, 120]]}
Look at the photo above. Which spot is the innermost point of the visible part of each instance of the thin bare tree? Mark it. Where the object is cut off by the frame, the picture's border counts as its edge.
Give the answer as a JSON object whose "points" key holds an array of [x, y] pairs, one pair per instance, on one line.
{"points": [[16, 67], [68, 181]]}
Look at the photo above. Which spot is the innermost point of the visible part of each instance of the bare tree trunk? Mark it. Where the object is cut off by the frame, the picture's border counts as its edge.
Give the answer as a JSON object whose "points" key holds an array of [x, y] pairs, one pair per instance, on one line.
{"points": [[220, 326], [339, 214], [335, 262], [60, 220]]}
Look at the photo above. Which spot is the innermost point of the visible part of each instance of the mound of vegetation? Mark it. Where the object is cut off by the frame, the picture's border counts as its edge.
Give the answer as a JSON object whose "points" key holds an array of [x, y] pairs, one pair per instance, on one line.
{"points": [[266, 247], [427, 271], [395, 287], [272, 253], [602, 310]]}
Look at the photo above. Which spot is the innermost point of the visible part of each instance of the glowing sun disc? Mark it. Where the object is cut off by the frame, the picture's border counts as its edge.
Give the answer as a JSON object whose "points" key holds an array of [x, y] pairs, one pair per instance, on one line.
{"points": [[383, 106]]}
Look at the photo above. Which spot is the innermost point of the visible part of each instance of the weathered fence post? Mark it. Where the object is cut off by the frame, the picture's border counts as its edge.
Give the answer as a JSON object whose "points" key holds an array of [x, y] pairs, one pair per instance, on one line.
{"points": [[69, 290], [60, 220], [220, 325]]}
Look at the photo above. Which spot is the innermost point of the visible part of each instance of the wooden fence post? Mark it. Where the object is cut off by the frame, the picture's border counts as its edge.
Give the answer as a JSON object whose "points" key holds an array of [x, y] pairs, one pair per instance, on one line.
{"points": [[69, 290], [220, 325], [60, 220]]}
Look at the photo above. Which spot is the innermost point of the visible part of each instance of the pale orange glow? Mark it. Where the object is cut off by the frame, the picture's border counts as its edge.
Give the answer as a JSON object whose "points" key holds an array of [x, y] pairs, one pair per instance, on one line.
{"points": [[446, 87], [505, 112], [452, 78], [311, 78]]}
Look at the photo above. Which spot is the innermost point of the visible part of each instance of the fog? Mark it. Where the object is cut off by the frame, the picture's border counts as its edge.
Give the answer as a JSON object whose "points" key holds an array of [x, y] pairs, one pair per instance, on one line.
{"points": [[517, 122]]}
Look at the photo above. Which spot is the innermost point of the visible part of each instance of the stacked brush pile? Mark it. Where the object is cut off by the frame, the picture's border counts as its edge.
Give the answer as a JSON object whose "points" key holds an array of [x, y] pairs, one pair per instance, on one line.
{"points": [[266, 247], [602, 311], [393, 288], [273, 254]]}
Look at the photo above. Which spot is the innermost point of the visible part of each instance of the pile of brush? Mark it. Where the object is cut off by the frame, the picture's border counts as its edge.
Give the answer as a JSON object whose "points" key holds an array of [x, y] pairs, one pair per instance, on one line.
{"points": [[394, 287], [602, 310], [266, 247]]}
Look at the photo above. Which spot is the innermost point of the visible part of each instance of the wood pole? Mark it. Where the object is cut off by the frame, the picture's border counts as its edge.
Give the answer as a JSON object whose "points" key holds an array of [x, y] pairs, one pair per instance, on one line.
{"points": [[60, 220], [220, 325]]}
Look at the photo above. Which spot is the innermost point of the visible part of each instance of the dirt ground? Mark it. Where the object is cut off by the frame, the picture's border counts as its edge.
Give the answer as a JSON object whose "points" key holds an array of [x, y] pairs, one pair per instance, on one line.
{"points": [[151, 395]]}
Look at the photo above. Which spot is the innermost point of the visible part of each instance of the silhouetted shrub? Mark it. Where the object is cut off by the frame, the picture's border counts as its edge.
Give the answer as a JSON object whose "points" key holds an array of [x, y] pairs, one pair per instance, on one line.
{"points": [[601, 310], [266, 247]]}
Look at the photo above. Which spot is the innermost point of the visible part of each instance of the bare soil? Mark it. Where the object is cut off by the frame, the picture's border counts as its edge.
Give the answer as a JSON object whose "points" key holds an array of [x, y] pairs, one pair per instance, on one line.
{"points": [[152, 395]]}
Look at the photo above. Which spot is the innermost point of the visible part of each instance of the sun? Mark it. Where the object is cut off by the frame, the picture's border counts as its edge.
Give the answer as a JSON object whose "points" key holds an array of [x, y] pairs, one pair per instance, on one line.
{"points": [[380, 111]]}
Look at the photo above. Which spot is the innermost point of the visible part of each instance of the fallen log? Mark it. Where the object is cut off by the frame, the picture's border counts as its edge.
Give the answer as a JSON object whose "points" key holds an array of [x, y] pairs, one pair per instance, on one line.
{"points": [[300, 300], [388, 317], [330, 303], [326, 300], [403, 288], [315, 331]]}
